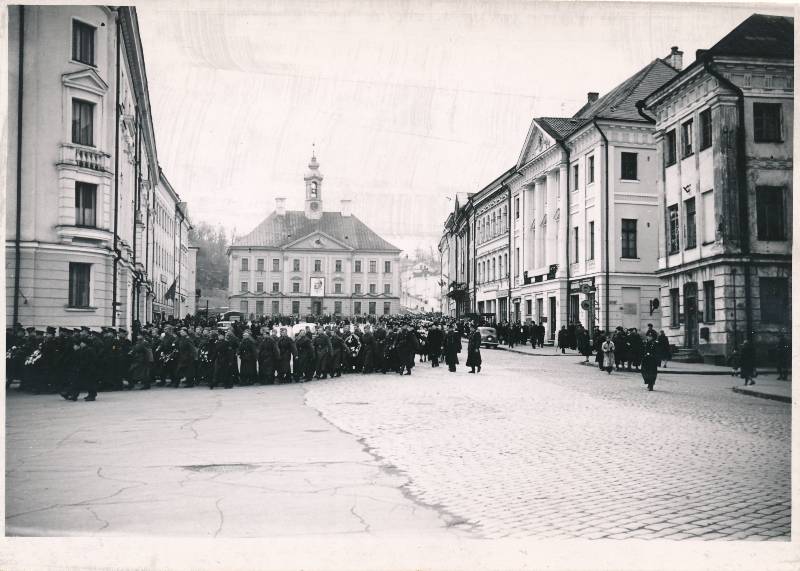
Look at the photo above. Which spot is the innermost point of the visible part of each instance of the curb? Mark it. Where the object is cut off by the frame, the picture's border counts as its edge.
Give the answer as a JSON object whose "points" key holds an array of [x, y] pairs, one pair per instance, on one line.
{"points": [[759, 394]]}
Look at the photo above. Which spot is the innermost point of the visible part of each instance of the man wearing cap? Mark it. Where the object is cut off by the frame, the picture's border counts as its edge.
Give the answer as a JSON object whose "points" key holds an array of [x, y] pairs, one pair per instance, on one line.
{"points": [[288, 350], [433, 344], [141, 362], [452, 347], [224, 362], [187, 354], [268, 357], [368, 350], [305, 362], [248, 353], [322, 350]]}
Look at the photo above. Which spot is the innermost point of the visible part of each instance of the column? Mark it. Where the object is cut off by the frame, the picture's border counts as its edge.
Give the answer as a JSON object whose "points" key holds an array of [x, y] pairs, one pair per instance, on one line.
{"points": [[563, 222]]}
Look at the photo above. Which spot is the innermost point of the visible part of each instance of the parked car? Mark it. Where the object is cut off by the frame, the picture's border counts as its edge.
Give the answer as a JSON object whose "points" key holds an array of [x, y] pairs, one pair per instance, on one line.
{"points": [[488, 337]]}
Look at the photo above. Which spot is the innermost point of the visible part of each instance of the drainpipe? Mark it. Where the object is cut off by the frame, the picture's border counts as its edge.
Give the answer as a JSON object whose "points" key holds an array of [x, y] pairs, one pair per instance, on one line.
{"points": [[117, 253], [474, 267], [741, 168], [566, 221], [605, 184], [17, 252]]}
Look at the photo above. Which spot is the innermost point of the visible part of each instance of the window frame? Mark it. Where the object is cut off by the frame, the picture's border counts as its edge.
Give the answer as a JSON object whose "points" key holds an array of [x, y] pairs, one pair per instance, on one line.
{"points": [[317, 265], [276, 264], [260, 264], [590, 252], [77, 54], [675, 307], [276, 287], [81, 190], [79, 285], [387, 267], [337, 266], [387, 289], [373, 266], [78, 129], [337, 287], [575, 174], [295, 264], [622, 173], [357, 267], [259, 287], [690, 230], [709, 302], [779, 307], [687, 138], [674, 245], [670, 148], [759, 136], [295, 287], [767, 214], [295, 307], [244, 265], [626, 240], [706, 129]]}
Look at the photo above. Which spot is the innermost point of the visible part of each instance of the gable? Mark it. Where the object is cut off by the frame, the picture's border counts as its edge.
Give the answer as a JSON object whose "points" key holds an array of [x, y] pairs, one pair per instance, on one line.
{"points": [[536, 143], [317, 241], [87, 80]]}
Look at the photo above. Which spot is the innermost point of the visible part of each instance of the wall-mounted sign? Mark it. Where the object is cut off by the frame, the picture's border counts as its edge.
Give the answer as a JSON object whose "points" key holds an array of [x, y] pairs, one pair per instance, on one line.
{"points": [[317, 288]]}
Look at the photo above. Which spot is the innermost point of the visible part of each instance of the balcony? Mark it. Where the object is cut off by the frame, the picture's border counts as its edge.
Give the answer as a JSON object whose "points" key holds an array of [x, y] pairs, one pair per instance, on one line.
{"points": [[85, 157]]}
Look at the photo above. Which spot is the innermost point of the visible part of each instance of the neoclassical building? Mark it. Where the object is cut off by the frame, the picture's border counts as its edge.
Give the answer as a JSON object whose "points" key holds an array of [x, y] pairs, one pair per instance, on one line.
{"points": [[313, 262]]}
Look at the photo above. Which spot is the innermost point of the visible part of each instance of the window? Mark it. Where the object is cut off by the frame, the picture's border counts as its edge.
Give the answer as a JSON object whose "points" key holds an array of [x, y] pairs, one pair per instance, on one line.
{"points": [[276, 307], [709, 229], [82, 122], [387, 288], [528, 307], [337, 307], [675, 307], [705, 129], [372, 288], [629, 170], [296, 307], [669, 148], [690, 212], [770, 217], [590, 253], [387, 307], [85, 201], [628, 238], [243, 286], [82, 42], [260, 264], [687, 132], [275, 287], [516, 262], [575, 237], [357, 307], [259, 308], [575, 172], [372, 308], [516, 208], [494, 268], [709, 313], [295, 265], [245, 264], [259, 287], [387, 267], [338, 266], [674, 230], [357, 288], [337, 287], [373, 266], [276, 264], [317, 265], [243, 307], [590, 171], [295, 287], [774, 295], [767, 123], [357, 268], [79, 275]]}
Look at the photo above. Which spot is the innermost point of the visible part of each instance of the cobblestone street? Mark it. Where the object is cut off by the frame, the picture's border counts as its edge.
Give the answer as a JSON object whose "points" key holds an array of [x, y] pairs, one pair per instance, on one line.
{"points": [[544, 447]]}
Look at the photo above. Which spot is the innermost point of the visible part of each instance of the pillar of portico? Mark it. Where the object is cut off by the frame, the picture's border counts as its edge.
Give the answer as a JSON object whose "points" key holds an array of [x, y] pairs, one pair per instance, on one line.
{"points": [[563, 221]]}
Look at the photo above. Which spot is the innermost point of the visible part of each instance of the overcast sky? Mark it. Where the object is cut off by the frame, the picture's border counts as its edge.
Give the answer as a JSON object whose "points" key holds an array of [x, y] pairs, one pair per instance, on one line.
{"points": [[408, 102]]}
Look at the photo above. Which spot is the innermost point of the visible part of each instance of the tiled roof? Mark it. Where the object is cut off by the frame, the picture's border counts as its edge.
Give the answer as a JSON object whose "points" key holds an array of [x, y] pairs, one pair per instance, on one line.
{"points": [[759, 36], [559, 127], [278, 231], [620, 102]]}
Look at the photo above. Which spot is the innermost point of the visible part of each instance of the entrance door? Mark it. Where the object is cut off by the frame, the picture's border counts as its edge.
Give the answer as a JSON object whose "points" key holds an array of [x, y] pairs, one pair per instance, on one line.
{"points": [[630, 307], [539, 310], [690, 309], [552, 318], [316, 307], [516, 312], [574, 304]]}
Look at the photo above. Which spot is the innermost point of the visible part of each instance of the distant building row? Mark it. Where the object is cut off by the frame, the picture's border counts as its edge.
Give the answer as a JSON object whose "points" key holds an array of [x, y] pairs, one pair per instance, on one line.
{"points": [[95, 234], [666, 201]]}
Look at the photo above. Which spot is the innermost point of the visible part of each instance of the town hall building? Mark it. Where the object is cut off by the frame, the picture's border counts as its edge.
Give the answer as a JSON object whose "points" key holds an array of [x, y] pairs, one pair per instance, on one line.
{"points": [[313, 262]]}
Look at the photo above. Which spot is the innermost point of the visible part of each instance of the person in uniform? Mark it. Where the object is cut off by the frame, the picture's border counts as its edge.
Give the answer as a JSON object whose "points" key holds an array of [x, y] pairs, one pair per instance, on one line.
{"points": [[650, 362], [304, 357], [369, 350], [85, 371], [322, 350], [474, 350], [379, 349], [338, 350], [288, 350], [122, 349], [141, 362], [248, 355], [224, 362], [433, 344], [353, 345], [452, 347], [406, 349], [268, 357], [166, 355], [185, 365]]}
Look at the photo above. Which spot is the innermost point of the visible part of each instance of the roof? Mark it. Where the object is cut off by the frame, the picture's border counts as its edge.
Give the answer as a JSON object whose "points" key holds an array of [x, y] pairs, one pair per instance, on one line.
{"points": [[759, 35], [619, 103], [279, 231]]}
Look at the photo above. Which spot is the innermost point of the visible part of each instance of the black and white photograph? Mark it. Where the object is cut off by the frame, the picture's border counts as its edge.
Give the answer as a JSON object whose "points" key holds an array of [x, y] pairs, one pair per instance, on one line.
{"points": [[398, 284]]}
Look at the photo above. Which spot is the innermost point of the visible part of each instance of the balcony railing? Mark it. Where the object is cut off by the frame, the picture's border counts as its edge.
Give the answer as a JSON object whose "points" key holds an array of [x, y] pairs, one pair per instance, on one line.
{"points": [[85, 157]]}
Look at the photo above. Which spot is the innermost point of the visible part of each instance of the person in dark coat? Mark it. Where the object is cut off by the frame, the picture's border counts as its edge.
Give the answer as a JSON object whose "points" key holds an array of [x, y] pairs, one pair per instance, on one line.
{"points": [[323, 351], [165, 356], [390, 350], [534, 334], [305, 358], [338, 350], [268, 357], [563, 339], [434, 344], [620, 354], [379, 353], [599, 339], [123, 359], [248, 355], [452, 347], [650, 362], [288, 350], [635, 349], [407, 347], [224, 362], [84, 372], [368, 351], [352, 354], [572, 340], [184, 369], [474, 350], [663, 349], [583, 342], [141, 361], [748, 363], [540, 335]]}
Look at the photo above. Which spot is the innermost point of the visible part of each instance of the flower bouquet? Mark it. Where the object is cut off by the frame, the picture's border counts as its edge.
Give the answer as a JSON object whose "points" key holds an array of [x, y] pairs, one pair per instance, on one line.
{"points": [[33, 358]]}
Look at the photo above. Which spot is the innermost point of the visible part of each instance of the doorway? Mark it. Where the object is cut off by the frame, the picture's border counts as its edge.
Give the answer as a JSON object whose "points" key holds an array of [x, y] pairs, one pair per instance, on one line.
{"points": [[316, 307], [552, 318], [690, 309]]}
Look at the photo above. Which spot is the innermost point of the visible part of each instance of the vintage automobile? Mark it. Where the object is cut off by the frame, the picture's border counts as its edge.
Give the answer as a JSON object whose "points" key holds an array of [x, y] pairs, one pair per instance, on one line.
{"points": [[488, 337]]}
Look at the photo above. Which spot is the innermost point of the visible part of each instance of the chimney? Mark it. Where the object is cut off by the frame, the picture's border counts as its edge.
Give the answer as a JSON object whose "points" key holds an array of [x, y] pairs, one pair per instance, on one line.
{"points": [[346, 210], [280, 206], [675, 58], [592, 96]]}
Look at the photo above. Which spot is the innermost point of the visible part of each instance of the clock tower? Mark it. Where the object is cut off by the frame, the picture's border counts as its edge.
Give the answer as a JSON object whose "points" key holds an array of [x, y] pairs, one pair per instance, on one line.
{"points": [[313, 179]]}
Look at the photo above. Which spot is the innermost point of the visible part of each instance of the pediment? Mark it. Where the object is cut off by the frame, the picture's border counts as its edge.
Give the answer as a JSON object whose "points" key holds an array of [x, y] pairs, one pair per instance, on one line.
{"points": [[86, 79], [536, 143], [317, 241]]}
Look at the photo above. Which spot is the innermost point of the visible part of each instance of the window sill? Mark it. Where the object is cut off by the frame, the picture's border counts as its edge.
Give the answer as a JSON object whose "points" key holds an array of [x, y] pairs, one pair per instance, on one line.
{"points": [[672, 164], [624, 259], [629, 180], [80, 309], [687, 248], [704, 148], [774, 142], [686, 156]]}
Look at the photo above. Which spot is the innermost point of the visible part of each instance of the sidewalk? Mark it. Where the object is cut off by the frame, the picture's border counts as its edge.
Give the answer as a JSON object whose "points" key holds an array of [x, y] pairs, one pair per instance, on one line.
{"points": [[770, 388]]}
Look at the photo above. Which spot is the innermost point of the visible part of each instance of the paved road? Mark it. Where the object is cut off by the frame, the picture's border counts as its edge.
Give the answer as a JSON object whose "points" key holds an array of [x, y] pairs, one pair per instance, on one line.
{"points": [[531, 447], [549, 448]]}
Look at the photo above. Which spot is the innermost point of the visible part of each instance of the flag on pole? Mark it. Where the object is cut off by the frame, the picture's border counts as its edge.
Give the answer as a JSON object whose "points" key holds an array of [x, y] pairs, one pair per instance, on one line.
{"points": [[171, 291]]}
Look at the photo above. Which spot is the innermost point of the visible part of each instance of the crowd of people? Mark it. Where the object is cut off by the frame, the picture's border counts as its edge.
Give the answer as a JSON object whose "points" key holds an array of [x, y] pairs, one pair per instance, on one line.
{"points": [[197, 351], [202, 351]]}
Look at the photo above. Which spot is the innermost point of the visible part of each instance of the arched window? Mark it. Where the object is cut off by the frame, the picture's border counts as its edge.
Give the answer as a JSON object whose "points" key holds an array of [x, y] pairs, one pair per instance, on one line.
{"points": [[505, 265], [494, 268]]}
